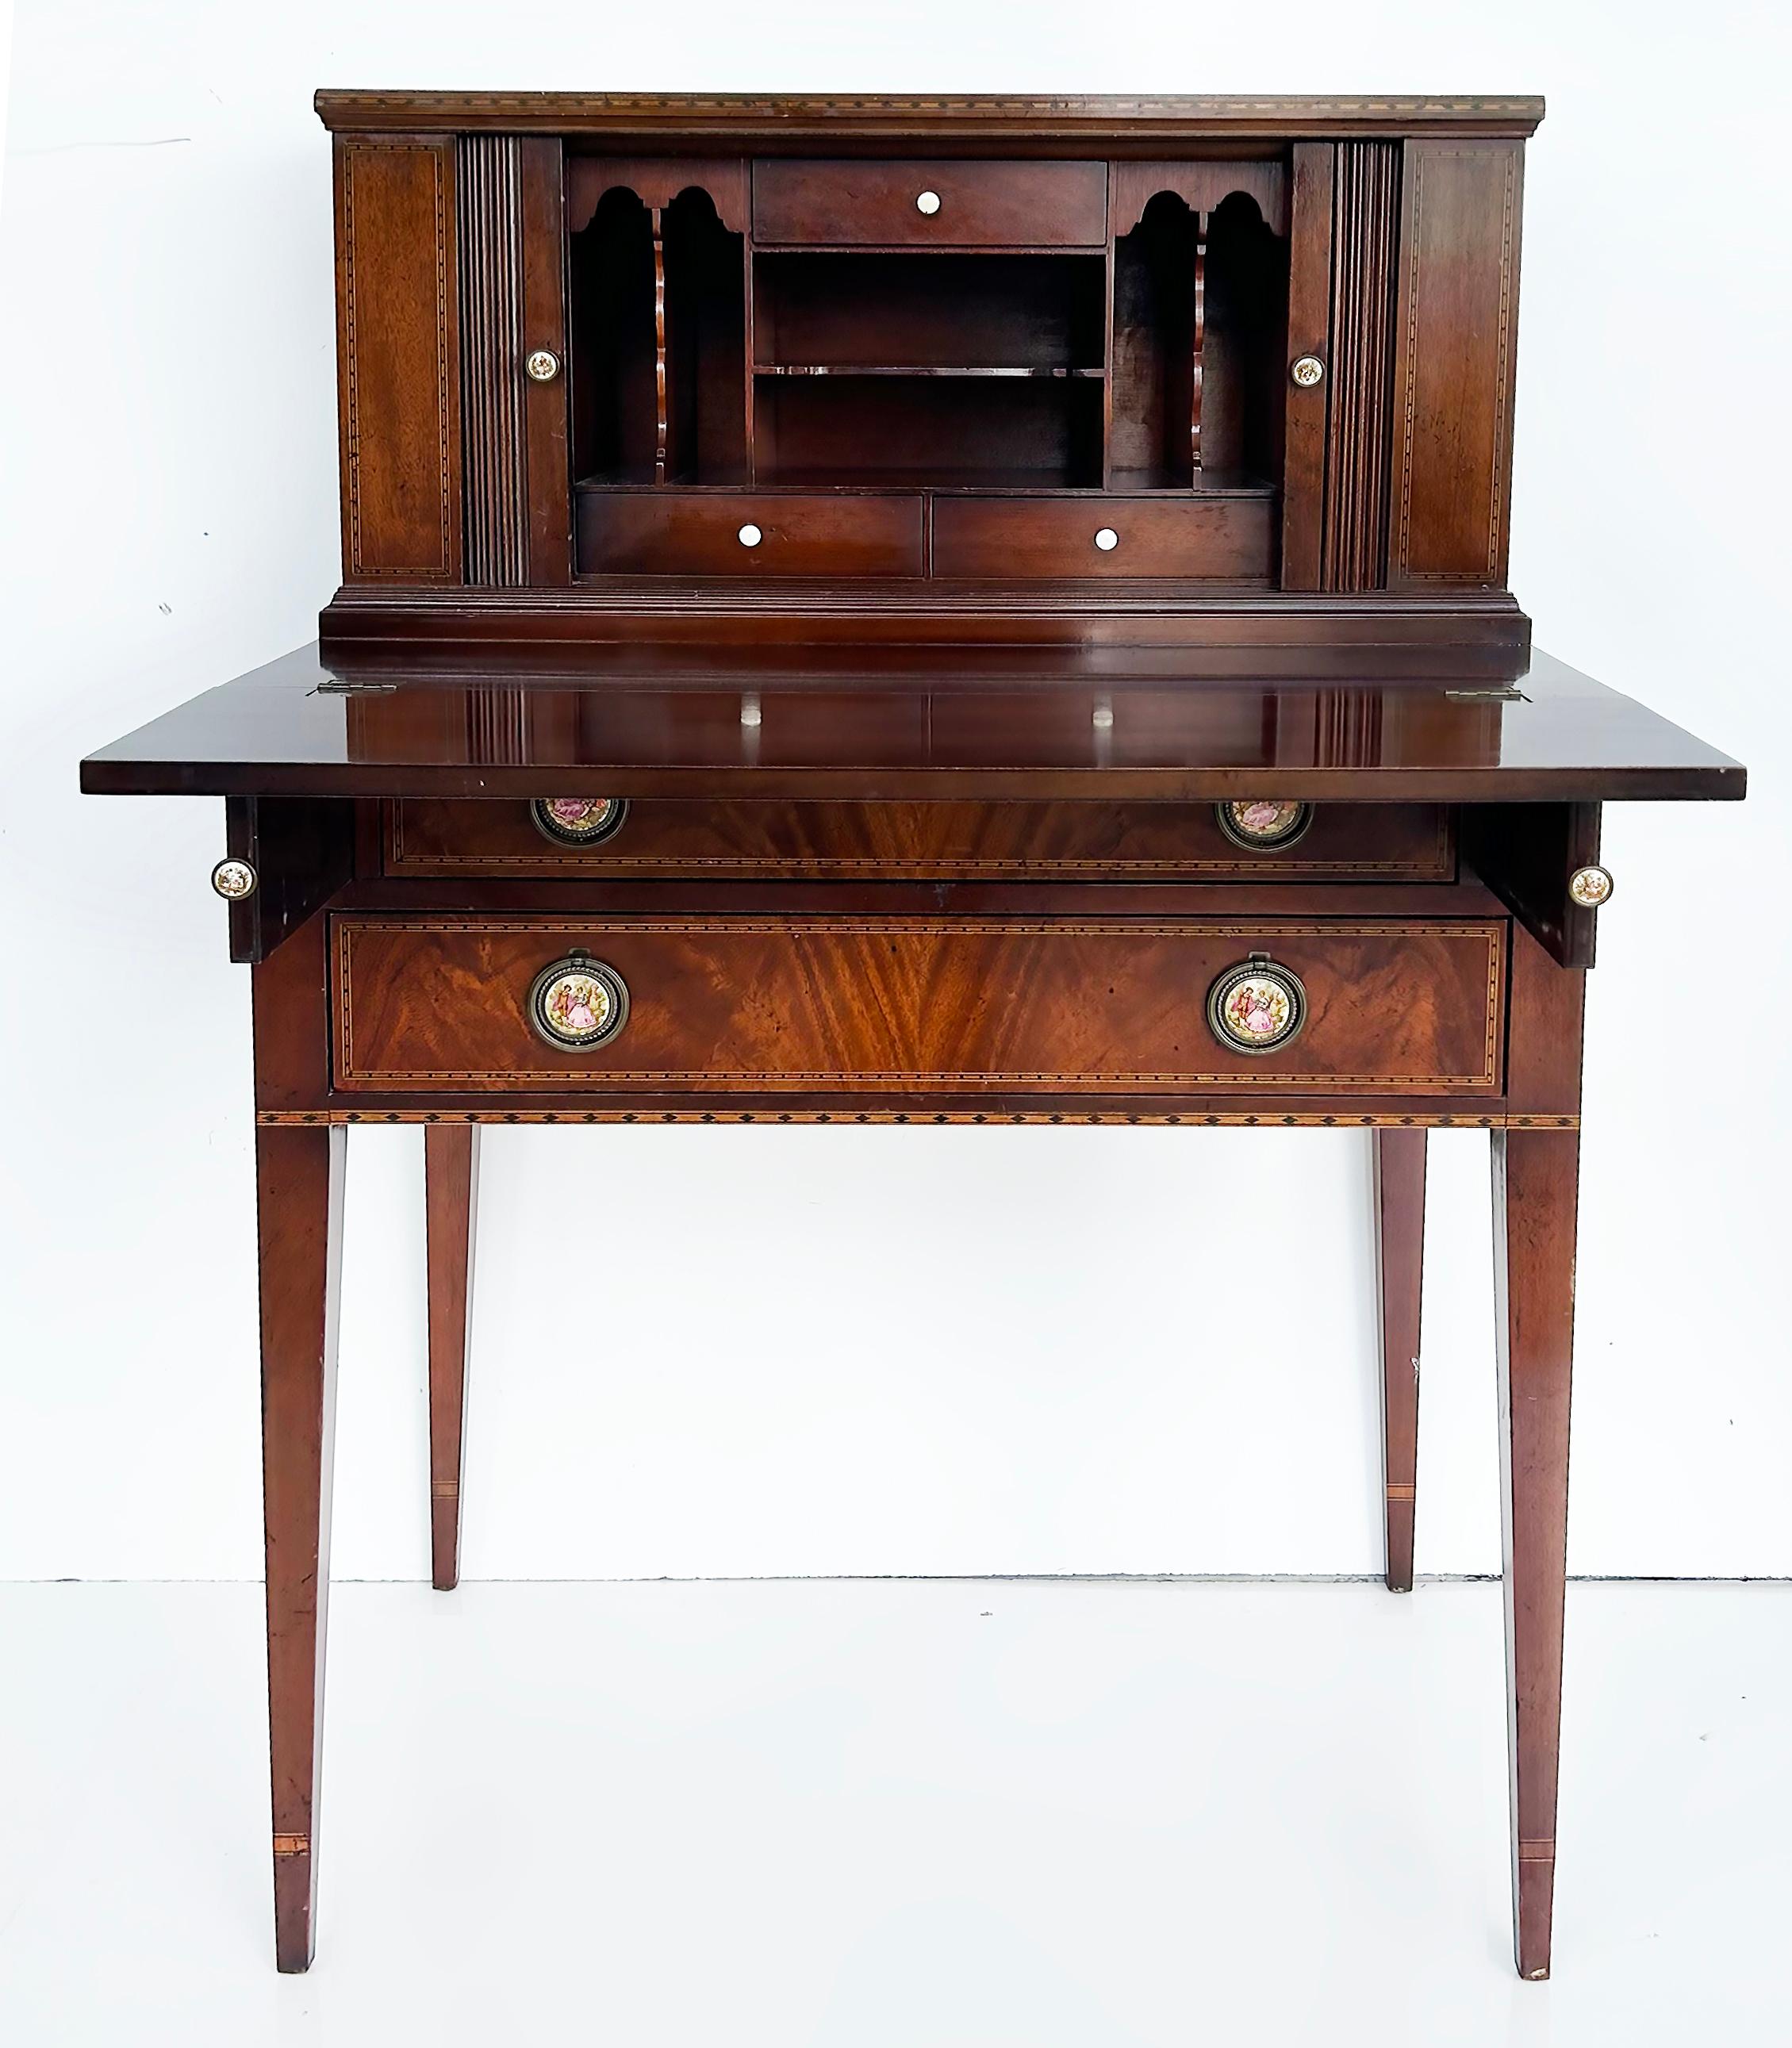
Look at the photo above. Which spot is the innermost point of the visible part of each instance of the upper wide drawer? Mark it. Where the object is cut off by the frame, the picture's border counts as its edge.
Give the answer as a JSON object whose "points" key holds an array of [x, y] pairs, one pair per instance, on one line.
{"points": [[1234, 538], [929, 205], [694, 533], [647, 836]]}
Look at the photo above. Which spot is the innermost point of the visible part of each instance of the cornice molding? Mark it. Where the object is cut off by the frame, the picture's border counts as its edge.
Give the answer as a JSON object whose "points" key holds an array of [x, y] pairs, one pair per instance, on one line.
{"points": [[841, 119]]}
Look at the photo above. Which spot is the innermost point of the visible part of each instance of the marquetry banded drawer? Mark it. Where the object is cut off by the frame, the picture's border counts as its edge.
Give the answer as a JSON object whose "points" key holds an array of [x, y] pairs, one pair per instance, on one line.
{"points": [[750, 534], [1259, 841], [864, 1005], [1231, 537]]}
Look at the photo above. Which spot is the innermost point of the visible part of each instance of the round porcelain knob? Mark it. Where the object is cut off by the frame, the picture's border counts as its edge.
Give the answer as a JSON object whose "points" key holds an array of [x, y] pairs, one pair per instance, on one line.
{"points": [[927, 202], [1590, 887], [750, 537], [235, 880], [578, 821], [1107, 539], [543, 365], [578, 1003], [1307, 371], [1258, 823], [1257, 1007]]}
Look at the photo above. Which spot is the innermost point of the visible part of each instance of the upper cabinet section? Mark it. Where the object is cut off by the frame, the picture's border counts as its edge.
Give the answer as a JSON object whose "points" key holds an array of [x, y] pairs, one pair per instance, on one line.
{"points": [[1248, 364]]}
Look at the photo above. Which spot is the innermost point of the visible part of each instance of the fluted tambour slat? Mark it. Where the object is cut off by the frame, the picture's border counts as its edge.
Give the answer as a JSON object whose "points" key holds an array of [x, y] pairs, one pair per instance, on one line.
{"points": [[494, 451], [1349, 728], [497, 725], [1365, 220]]}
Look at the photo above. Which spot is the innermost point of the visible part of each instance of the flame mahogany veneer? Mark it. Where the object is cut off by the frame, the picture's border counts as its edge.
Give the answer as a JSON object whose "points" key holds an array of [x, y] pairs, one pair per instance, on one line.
{"points": [[1058, 1006]]}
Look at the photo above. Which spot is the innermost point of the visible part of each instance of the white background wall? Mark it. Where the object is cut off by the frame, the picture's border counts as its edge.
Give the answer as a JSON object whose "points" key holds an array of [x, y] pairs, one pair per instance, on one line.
{"points": [[742, 1351]]}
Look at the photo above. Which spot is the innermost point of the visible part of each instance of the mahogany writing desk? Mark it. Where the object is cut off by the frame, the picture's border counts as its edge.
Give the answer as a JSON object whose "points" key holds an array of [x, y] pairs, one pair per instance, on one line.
{"points": [[925, 609]]}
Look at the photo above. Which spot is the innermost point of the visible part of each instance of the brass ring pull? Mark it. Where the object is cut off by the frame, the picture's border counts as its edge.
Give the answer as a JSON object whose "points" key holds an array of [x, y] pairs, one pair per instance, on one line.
{"points": [[578, 821], [1259, 823], [1257, 1007], [578, 1003]]}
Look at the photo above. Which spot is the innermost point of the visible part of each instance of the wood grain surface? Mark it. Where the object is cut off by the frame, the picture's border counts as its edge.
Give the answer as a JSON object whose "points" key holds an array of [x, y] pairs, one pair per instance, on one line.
{"points": [[847, 200], [1399, 1204], [686, 533], [1230, 538], [1060, 1006], [1367, 842], [398, 359]]}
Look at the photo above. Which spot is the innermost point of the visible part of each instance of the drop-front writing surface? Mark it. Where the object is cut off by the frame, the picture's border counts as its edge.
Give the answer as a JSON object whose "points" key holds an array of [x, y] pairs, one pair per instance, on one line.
{"points": [[691, 721]]}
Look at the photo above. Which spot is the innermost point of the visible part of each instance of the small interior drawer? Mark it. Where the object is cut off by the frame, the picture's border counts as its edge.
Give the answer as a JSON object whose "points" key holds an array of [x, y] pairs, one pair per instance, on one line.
{"points": [[922, 842], [928, 203], [690, 532], [864, 1003], [1210, 535]]}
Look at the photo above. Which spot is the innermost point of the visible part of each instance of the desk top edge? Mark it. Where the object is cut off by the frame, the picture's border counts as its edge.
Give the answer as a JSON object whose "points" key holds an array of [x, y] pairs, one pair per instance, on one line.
{"points": [[840, 119], [433, 726]]}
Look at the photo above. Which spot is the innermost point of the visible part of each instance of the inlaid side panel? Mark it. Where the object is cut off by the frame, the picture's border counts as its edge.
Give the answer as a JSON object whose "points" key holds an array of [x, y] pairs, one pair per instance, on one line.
{"points": [[398, 359], [1365, 220], [442, 1004], [496, 516], [1457, 316]]}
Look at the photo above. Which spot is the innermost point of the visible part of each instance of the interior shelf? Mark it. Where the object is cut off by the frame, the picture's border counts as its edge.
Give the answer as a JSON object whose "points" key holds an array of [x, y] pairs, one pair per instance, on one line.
{"points": [[927, 370], [968, 479], [931, 476], [1203, 482]]}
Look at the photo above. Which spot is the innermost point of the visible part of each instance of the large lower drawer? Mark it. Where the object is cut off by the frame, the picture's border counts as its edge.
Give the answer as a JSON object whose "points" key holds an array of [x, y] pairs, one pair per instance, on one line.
{"points": [[1229, 537], [694, 533], [1369, 842], [859, 1004]]}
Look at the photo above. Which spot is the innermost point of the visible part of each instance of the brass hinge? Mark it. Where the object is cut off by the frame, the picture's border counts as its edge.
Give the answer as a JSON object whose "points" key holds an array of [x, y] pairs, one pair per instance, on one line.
{"points": [[344, 686]]}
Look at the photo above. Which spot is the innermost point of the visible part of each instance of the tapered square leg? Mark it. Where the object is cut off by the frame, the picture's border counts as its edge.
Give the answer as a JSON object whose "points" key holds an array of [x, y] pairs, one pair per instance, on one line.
{"points": [[451, 1173], [1399, 1204], [1536, 1177], [298, 1188]]}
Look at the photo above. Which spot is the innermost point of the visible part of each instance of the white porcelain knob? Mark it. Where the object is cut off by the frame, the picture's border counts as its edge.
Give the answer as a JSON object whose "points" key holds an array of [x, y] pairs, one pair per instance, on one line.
{"points": [[1107, 539], [235, 880], [543, 365], [750, 537], [927, 202], [1589, 887]]}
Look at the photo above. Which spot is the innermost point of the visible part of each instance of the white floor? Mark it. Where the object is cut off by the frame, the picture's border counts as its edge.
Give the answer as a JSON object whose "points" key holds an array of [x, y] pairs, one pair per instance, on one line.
{"points": [[902, 1814]]}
